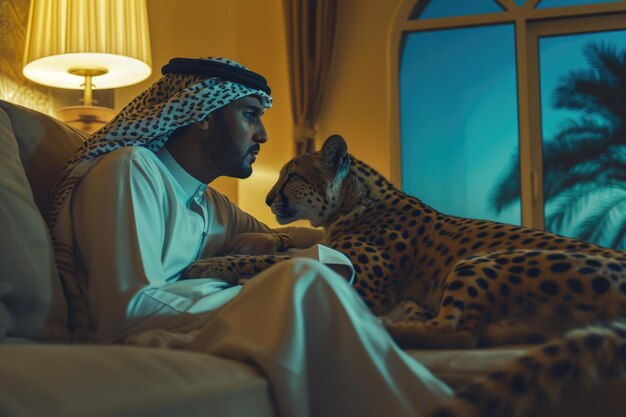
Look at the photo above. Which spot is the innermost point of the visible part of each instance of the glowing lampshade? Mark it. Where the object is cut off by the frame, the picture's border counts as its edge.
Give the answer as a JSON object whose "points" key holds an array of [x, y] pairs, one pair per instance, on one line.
{"points": [[87, 44]]}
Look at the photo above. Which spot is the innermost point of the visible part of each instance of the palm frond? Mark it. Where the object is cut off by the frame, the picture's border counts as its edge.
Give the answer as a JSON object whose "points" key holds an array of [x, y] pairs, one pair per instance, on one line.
{"points": [[596, 225], [576, 143], [588, 155], [610, 65], [556, 182], [599, 90], [620, 235], [568, 206]]}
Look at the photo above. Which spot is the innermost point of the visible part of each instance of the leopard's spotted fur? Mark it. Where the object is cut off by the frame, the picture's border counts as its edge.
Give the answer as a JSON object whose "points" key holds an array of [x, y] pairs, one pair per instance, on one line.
{"points": [[461, 280]]}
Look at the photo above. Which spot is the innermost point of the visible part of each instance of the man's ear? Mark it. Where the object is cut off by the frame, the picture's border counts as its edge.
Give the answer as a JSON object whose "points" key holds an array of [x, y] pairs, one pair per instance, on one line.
{"points": [[205, 123]]}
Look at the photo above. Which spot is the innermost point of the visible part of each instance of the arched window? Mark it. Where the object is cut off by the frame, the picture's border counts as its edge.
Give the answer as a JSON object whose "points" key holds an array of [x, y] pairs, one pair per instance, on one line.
{"points": [[515, 111]]}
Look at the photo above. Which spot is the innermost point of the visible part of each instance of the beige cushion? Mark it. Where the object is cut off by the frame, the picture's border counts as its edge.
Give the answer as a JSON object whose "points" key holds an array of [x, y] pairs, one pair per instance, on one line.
{"points": [[73, 380], [45, 145], [25, 252], [457, 367], [33, 149]]}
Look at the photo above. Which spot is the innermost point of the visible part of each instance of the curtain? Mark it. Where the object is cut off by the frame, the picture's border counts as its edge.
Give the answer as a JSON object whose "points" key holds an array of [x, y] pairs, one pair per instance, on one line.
{"points": [[310, 30]]}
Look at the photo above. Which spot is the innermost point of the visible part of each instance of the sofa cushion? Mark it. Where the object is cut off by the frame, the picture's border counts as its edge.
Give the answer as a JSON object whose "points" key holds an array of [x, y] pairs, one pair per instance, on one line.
{"points": [[45, 145], [26, 257], [86, 380], [35, 147], [456, 367]]}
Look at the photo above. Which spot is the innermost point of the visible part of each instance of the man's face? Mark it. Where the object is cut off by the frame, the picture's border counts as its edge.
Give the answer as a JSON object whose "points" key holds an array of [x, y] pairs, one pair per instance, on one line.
{"points": [[235, 137]]}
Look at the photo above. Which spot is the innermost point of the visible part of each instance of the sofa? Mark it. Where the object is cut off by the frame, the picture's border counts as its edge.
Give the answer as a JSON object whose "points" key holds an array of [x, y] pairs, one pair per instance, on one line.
{"points": [[43, 374]]}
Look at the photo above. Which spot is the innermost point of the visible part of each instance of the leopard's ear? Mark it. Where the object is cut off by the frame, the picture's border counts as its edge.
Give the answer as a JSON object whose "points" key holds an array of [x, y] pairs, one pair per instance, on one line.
{"points": [[334, 151], [335, 155]]}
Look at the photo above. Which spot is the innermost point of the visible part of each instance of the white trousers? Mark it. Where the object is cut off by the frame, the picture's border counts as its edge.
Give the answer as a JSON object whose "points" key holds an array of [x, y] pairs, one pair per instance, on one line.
{"points": [[322, 350]]}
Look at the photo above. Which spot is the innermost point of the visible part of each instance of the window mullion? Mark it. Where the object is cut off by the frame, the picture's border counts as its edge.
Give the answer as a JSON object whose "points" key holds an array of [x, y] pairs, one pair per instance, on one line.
{"points": [[585, 10], [529, 127], [456, 22], [530, 4]]}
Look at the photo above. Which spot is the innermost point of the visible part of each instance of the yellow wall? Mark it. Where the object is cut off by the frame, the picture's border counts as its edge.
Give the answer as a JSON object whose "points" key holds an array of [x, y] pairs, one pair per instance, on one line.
{"points": [[252, 32], [357, 101], [261, 44]]}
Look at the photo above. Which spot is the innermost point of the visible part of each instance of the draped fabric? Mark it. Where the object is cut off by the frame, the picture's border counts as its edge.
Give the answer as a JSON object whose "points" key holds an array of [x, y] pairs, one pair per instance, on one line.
{"points": [[310, 27]]}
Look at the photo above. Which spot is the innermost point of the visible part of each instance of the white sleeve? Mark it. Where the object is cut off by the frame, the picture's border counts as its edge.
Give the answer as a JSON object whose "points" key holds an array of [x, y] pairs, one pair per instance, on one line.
{"points": [[119, 212]]}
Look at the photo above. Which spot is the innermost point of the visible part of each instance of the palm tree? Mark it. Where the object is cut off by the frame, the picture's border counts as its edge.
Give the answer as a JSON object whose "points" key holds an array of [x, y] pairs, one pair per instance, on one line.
{"points": [[584, 165]]}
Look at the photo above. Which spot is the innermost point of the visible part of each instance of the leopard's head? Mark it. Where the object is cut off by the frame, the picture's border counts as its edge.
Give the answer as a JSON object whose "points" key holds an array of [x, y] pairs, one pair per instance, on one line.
{"points": [[309, 185]]}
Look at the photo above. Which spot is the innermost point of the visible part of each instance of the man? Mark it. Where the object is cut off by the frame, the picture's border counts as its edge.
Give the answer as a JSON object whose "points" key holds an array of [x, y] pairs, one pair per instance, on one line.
{"points": [[133, 209]]}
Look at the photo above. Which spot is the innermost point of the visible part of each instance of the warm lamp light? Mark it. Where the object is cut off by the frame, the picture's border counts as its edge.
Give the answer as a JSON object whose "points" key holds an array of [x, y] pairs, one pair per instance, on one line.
{"points": [[86, 44]]}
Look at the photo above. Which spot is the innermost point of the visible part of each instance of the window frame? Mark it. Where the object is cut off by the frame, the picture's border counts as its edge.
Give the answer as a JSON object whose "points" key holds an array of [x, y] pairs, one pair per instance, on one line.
{"points": [[530, 24]]}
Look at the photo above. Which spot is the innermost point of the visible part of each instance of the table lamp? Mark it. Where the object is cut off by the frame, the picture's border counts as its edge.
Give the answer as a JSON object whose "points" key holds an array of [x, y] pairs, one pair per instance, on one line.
{"points": [[87, 44]]}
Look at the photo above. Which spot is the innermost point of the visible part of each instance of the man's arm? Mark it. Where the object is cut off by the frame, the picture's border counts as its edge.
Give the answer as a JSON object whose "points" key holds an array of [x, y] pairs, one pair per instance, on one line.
{"points": [[246, 235], [302, 237]]}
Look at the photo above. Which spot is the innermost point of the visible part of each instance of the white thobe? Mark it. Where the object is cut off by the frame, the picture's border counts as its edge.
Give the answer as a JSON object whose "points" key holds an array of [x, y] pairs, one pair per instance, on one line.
{"points": [[139, 219]]}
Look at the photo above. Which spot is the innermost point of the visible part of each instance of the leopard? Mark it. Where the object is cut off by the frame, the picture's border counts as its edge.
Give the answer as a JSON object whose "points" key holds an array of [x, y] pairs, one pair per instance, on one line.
{"points": [[437, 280]]}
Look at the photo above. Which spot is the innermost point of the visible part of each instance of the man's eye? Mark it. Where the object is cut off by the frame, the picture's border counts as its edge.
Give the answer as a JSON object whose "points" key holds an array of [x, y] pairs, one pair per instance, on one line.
{"points": [[250, 115]]}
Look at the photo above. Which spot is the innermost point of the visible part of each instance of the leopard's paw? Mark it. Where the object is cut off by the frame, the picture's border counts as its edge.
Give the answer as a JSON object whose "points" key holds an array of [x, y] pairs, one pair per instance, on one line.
{"points": [[208, 268], [411, 334]]}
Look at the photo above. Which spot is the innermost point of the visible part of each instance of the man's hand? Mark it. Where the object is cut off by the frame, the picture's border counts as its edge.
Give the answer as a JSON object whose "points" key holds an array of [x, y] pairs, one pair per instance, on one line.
{"points": [[256, 244]]}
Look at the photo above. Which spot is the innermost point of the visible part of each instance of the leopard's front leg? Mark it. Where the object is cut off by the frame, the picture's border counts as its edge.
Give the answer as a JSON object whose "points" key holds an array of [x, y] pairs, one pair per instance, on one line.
{"points": [[234, 269], [465, 307]]}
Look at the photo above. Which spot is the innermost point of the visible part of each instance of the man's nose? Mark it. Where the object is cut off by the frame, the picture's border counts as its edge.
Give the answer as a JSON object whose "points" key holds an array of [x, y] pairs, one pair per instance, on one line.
{"points": [[261, 135]]}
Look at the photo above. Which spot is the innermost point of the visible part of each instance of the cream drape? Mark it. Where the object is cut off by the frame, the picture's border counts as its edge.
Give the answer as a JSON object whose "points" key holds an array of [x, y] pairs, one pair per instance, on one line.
{"points": [[310, 27]]}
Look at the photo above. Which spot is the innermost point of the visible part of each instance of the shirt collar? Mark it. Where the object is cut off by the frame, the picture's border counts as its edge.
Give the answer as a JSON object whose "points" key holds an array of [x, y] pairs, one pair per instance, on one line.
{"points": [[192, 187]]}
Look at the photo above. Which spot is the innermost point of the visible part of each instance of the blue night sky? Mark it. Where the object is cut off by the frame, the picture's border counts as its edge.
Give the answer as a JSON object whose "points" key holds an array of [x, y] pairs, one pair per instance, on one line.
{"points": [[458, 104], [458, 117]]}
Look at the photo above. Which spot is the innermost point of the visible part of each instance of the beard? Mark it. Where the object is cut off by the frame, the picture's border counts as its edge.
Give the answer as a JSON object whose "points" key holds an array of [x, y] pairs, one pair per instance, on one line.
{"points": [[230, 159]]}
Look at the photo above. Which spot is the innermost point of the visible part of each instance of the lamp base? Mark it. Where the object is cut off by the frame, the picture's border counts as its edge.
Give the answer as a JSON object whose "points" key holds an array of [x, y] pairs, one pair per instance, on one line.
{"points": [[86, 118]]}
